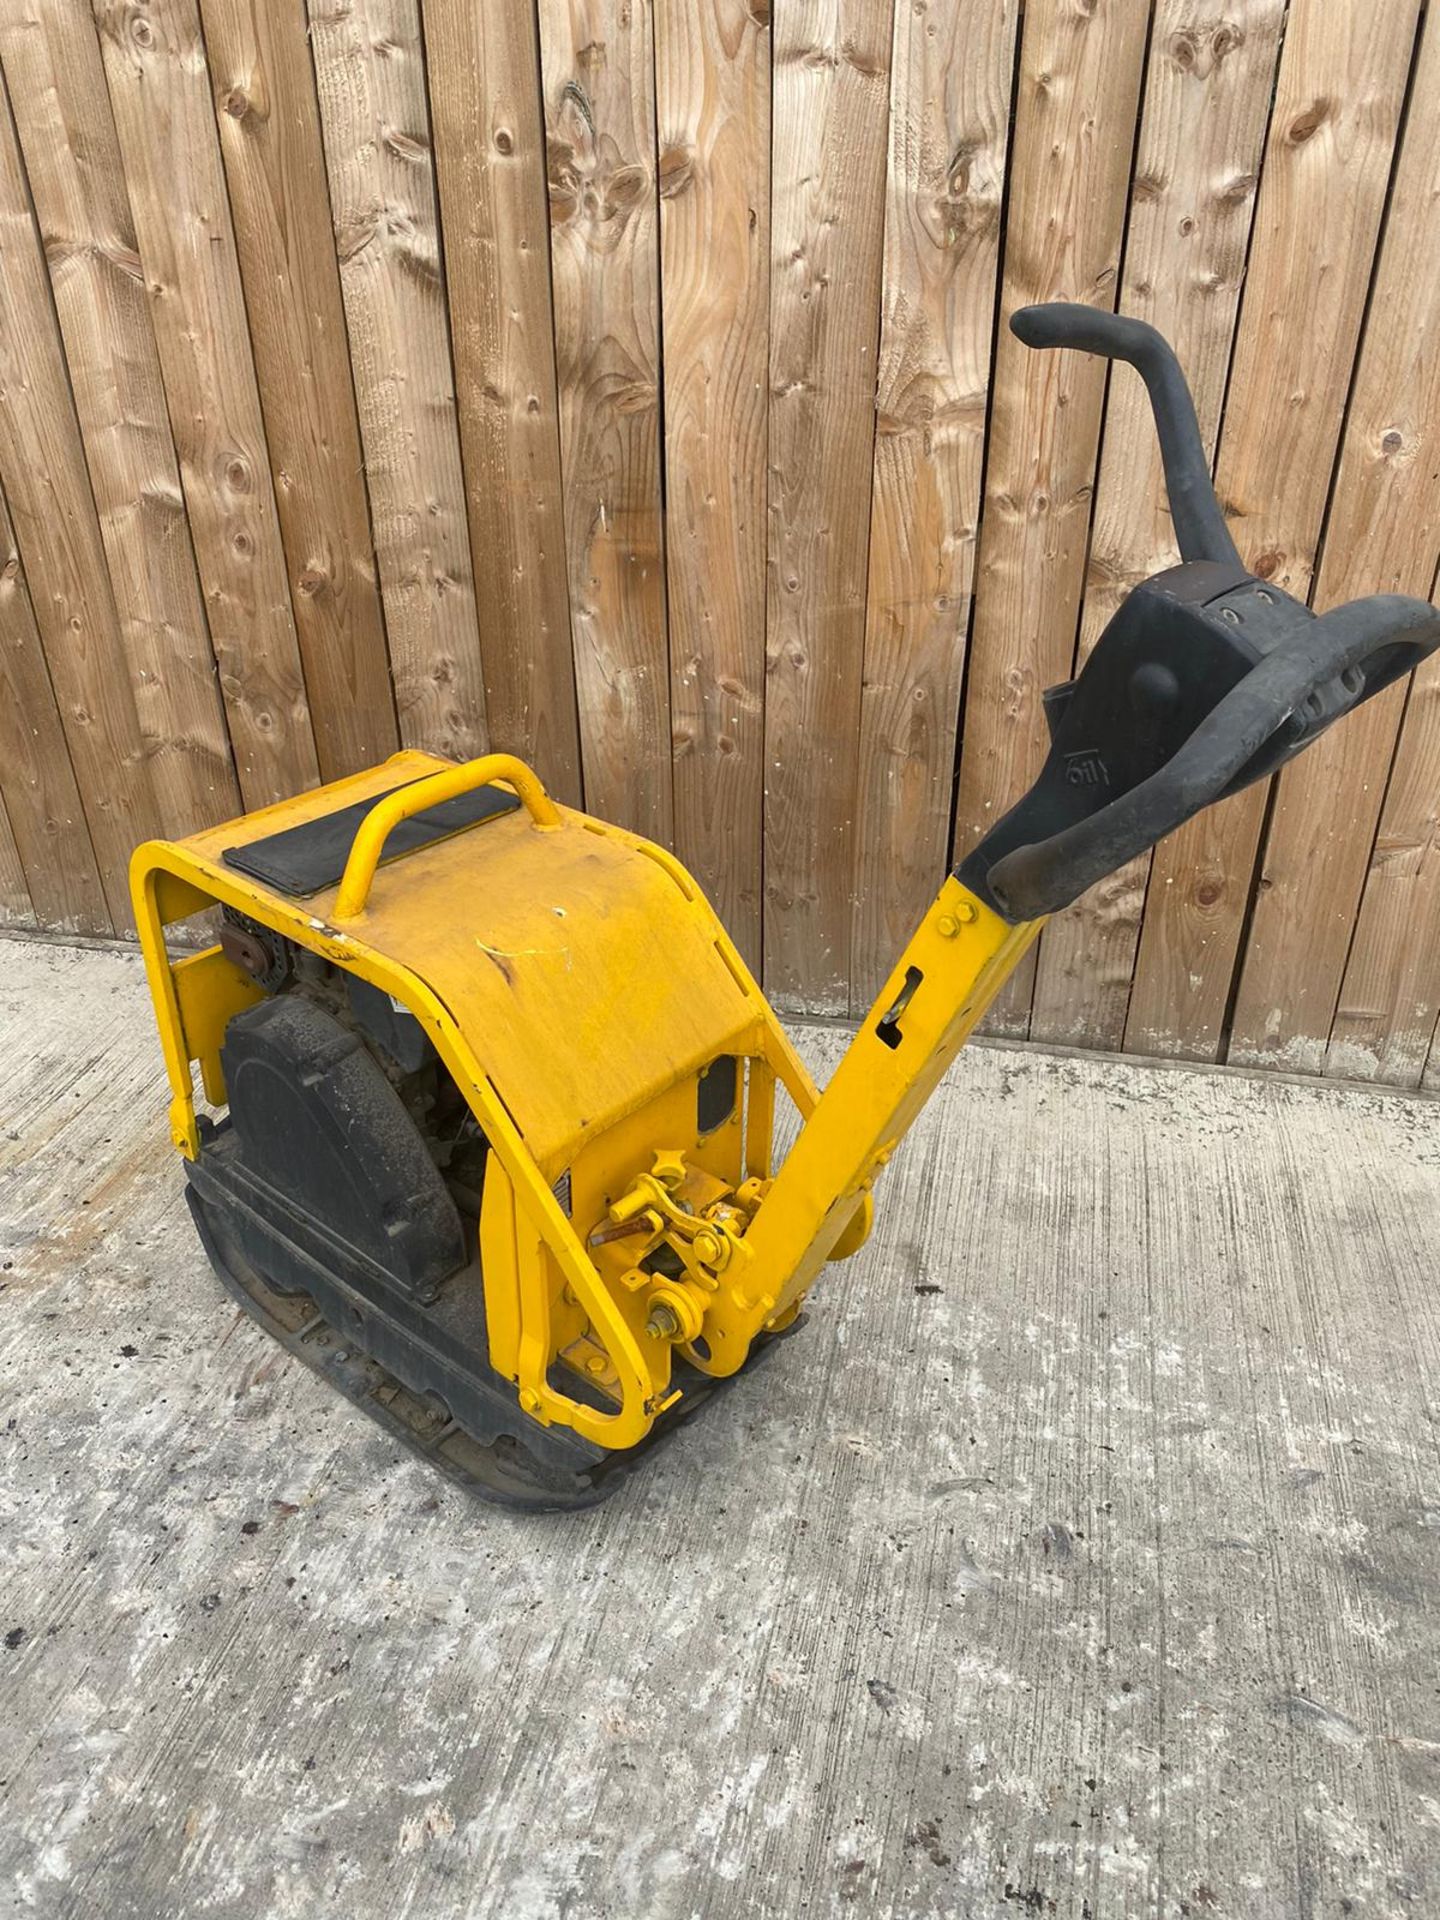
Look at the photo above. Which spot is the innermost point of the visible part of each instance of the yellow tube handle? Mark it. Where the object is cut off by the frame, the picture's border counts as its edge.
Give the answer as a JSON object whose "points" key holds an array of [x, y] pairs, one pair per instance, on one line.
{"points": [[436, 788]]}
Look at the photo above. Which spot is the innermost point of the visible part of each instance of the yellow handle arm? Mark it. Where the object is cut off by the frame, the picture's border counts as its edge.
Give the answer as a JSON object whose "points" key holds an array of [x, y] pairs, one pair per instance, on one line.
{"points": [[433, 791], [959, 958]]}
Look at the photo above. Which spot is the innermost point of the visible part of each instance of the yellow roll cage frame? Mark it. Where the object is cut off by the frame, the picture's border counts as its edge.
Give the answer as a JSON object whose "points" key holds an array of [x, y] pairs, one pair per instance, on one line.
{"points": [[754, 1245]]}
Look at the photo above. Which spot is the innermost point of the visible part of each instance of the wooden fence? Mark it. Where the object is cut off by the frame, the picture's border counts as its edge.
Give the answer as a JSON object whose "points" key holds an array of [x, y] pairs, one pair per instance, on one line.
{"points": [[625, 383]]}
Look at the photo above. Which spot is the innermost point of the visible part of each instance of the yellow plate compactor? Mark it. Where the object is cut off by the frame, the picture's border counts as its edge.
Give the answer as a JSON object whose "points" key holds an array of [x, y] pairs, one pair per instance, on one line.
{"points": [[491, 1091]]}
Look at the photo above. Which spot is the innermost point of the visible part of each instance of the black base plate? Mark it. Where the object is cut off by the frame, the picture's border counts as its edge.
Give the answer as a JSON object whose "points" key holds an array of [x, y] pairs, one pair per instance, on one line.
{"points": [[501, 1472]]}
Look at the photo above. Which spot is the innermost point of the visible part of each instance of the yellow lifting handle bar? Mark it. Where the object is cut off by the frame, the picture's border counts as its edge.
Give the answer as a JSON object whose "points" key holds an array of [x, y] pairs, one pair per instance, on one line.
{"points": [[418, 797]]}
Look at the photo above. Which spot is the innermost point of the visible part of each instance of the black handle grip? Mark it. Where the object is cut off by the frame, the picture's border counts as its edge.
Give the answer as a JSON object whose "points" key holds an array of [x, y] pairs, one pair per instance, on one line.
{"points": [[1356, 649], [1200, 529]]}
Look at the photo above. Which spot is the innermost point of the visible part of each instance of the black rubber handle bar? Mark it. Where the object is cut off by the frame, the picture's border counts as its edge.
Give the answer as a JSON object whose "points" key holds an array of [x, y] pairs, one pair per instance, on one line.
{"points": [[1200, 529], [1362, 646]]}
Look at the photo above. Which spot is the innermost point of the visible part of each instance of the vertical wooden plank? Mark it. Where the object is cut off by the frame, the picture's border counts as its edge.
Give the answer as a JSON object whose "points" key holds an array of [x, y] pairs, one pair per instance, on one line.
{"points": [[712, 83], [1390, 995], [165, 132], [1382, 536], [831, 119], [1078, 94], [37, 783], [597, 62], [264, 93], [1430, 1079], [953, 70], [67, 137], [16, 908], [490, 163], [1322, 191], [1207, 97], [370, 77], [43, 472]]}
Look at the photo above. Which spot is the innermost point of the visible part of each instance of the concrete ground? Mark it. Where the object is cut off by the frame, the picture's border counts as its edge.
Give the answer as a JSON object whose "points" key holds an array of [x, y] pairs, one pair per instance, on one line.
{"points": [[1078, 1558]]}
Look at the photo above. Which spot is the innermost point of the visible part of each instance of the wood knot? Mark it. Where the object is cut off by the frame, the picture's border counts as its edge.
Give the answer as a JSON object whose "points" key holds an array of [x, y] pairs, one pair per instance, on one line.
{"points": [[420, 265], [562, 177], [237, 474], [1268, 564], [354, 235], [405, 146], [1200, 53], [504, 140], [121, 255], [1209, 893], [312, 580], [236, 103], [677, 171], [1393, 441], [869, 63], [142, 34], [632, 397], [627, 186], [1307, 124]]}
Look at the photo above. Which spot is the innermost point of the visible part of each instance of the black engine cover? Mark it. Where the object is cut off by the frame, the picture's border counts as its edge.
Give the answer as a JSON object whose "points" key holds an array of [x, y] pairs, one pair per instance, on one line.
{"points": [[320, 1126]]}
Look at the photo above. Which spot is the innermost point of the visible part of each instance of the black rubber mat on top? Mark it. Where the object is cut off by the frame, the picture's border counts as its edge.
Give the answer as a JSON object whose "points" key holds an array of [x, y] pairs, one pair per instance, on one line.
{"points": [[303, 859]]}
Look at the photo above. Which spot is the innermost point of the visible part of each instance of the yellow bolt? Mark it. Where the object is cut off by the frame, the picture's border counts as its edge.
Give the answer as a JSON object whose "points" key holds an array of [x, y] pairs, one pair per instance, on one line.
{"points": [[966, 912], [662, 1322], [947, 926], [712, 1248], [529, 1400]]}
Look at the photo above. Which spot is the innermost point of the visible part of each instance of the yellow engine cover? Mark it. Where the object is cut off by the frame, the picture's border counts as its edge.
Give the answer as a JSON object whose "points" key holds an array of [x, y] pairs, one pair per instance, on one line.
{"points": [[576, 984]]}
